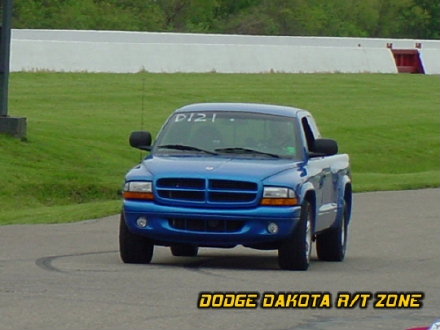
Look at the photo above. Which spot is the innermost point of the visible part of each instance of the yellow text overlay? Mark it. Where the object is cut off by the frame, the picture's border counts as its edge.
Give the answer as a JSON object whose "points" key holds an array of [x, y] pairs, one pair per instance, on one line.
{"points": [[310, 300]]}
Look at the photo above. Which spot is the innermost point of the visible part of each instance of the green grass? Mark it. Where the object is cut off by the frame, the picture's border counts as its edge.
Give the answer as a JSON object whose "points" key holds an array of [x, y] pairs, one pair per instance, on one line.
{"points": [[72, 165]]}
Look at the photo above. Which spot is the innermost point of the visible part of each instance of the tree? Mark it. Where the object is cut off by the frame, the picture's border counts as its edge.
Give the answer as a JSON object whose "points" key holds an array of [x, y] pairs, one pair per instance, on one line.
{"points": [[421, 19], [346, 18], [88, 14], [188, 15]]}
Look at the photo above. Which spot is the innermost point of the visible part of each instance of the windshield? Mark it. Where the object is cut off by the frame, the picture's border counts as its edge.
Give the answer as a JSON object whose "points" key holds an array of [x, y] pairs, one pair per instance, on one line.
{"points": [[232, 133]]}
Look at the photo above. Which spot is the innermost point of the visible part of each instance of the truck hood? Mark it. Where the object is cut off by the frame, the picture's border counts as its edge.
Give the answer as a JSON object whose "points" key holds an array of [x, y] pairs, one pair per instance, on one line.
{"points": [[210, 167]]}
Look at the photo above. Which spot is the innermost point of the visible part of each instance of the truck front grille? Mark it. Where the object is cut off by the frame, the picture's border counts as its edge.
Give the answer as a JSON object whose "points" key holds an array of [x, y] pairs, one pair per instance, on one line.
{"points": [[202, 225], [189, 195], [172, 183], [234, 185], [207, 191]]}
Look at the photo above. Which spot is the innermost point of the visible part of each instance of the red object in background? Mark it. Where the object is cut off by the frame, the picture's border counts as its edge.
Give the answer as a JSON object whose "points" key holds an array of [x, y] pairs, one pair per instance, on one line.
{"points": [[434, 326], [408, 60]]}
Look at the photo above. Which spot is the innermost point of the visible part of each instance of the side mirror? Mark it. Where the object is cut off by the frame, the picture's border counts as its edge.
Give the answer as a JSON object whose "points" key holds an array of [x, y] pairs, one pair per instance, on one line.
{"points": [[141, 140], [324, 147]]}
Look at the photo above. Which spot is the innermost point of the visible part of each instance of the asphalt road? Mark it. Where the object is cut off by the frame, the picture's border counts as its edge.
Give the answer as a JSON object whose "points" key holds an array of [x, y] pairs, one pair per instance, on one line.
{"points": [[69, 276]]}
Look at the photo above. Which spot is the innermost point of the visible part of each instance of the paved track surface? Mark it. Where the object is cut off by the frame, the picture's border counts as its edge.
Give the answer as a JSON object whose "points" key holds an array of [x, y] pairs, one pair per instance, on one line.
{"points": [[69, 276]]}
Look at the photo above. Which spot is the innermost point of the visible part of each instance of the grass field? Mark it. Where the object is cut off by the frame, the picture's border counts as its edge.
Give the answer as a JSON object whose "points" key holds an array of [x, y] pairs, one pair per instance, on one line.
{"points": [[72, 164]]}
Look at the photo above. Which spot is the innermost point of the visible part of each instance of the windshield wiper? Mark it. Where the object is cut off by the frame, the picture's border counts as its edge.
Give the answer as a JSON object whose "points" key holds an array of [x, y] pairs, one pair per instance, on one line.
{"points": [[237, 150], [184, 147]]}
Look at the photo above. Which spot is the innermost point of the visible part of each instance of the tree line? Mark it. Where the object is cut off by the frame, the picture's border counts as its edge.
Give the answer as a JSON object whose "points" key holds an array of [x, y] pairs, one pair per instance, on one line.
{"points": [[418, 19]]}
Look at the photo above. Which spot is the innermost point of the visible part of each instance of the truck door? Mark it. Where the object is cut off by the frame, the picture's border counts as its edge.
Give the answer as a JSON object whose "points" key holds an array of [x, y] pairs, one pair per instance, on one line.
{"points": [[322, 178]]}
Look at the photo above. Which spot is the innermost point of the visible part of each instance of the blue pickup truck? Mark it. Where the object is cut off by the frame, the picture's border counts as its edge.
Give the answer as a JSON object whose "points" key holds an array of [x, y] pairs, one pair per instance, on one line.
{"points": [[227, 174]]}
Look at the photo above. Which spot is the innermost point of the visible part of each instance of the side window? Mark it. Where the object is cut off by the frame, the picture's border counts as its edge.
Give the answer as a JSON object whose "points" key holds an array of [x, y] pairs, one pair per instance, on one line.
{"points": [[310, 131]]}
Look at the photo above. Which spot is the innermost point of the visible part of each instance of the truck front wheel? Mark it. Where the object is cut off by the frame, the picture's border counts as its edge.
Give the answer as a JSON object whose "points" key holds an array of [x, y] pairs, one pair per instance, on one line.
{"points": [[133, 249], [331, 245], [294, 253]]}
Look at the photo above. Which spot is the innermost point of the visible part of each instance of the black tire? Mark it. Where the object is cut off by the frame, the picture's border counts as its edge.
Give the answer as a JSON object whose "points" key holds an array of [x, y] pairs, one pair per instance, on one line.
{"points": [[184, 250], [134, 249], [331, 245], [294, 253]]}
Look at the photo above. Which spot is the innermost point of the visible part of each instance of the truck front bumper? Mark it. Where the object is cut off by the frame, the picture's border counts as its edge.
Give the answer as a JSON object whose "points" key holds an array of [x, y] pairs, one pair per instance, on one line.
{"points": [[211, 227]]}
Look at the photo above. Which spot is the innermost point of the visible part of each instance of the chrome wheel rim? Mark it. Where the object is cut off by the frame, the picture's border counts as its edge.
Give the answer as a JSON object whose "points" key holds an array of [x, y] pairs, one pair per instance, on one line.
{"points": [[344, 229], [343, 232], [308, 241]]}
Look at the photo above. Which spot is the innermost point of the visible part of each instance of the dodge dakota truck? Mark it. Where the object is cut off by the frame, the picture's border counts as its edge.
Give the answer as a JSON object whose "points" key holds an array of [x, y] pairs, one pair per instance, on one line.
{"points": [[228, 174]]}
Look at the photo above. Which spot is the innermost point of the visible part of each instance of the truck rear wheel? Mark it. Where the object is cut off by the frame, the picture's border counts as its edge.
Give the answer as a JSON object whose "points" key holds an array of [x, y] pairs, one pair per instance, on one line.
{"points": [[331, 245], [184, 250], [294, 253], [134, 249]]}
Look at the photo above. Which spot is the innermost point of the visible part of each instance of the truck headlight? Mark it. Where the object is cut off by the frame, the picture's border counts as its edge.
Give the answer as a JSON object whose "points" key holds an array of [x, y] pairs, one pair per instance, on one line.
{"points": [[279, 196], [138, 190]]}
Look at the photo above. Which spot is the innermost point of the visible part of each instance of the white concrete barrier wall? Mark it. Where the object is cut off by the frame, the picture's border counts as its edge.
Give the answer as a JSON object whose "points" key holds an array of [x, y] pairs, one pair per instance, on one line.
{"points": [[199, 38], [430, 58], [119, 52]]}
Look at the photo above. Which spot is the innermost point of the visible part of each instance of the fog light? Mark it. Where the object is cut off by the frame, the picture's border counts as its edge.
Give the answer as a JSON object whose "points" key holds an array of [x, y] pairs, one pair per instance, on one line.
{"points": [[272, 228], [142, 222]]}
